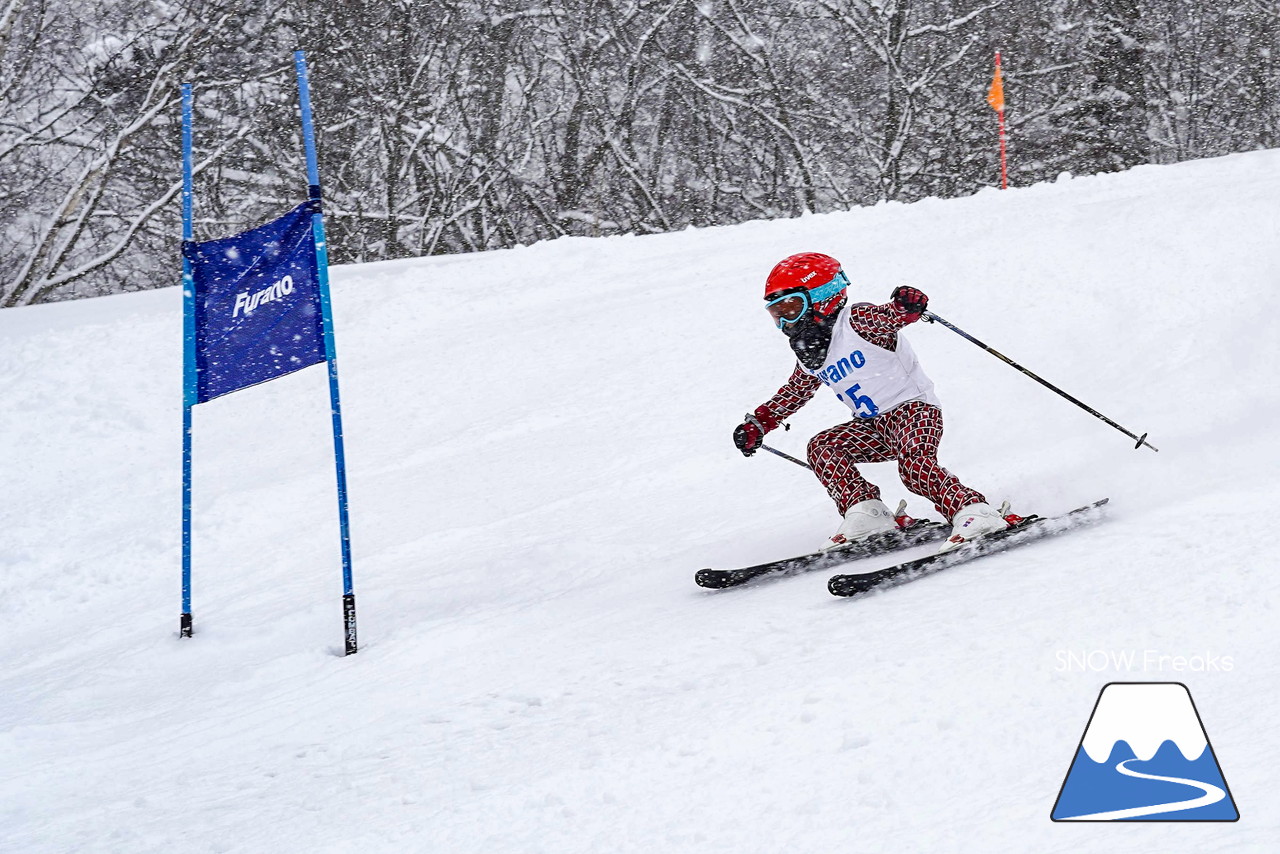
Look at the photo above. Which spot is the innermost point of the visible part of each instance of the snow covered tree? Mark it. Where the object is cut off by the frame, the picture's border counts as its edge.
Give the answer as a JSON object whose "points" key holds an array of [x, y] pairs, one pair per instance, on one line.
{"points": [[463, 125], [90, 112]]}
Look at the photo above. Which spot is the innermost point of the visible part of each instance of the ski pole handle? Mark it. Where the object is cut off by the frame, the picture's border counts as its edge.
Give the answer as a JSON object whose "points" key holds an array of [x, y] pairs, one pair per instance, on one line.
{"points": [[775, 451], [930, 317]]}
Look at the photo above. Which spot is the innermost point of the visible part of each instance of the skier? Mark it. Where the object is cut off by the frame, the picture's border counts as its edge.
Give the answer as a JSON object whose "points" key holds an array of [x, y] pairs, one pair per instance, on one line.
{"points": [[856, 351]]}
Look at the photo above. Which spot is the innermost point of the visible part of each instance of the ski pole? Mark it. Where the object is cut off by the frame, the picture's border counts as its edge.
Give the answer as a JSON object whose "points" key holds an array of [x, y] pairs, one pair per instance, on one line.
{"points": [[1142, 440], [765, 447]]}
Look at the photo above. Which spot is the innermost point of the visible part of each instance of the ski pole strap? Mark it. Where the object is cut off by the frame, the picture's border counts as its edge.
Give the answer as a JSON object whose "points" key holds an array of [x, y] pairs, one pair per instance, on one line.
{"points": [[776, 452], [930, 317]]}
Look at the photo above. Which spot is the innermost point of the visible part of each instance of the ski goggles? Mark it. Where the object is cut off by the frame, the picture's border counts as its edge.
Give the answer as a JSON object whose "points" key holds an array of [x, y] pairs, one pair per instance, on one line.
{"points": [[792, 307]]}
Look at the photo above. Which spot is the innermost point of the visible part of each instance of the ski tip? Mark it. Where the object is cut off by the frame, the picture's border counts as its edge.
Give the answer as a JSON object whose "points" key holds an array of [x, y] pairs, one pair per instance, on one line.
{"points": [[714, 579], [845, 586]]}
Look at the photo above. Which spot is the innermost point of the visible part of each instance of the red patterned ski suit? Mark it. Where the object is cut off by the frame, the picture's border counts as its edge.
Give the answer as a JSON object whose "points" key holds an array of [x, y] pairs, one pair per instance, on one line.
{"points": [[909, 433]]}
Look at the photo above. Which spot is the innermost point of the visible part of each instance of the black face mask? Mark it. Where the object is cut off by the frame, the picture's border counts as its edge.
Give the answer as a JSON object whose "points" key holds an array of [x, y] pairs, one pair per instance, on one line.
{"points": [[810, 339]]}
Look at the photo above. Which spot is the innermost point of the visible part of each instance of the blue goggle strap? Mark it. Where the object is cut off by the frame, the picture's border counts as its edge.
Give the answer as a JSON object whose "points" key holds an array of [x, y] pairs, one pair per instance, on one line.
{"points": [[830, 289]]}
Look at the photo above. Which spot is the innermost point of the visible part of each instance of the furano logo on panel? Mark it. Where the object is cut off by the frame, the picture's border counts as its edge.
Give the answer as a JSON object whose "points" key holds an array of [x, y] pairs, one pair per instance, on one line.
{"points": [[1145, 757], [248, 302]]}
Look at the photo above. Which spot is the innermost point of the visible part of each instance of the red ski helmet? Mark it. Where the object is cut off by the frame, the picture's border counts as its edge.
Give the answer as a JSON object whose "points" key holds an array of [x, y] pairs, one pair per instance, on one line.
{"points": [[809, 271]]}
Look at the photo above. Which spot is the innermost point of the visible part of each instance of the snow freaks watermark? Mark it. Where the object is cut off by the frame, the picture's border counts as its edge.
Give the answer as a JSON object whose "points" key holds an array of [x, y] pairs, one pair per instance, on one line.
{"points": [[1139, 661], [1145, 756]]}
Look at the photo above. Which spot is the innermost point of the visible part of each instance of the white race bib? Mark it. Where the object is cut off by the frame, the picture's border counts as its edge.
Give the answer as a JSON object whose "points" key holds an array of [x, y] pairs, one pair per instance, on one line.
{"points": [[871, 380]]}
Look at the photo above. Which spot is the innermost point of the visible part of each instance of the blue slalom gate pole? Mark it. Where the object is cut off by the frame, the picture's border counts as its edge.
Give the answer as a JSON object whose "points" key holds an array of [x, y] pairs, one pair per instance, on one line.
{"points": [[188, 365], [326, 311]]}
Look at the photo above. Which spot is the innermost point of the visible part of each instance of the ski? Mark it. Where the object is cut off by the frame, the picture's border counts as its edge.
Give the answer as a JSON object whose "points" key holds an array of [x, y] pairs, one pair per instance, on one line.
{"points": [[877, 544], [1028, 530]]}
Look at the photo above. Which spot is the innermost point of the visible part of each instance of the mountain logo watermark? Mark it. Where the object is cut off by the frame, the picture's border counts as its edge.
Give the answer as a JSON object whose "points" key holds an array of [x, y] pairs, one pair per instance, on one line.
{"points": [[1145, 756]]}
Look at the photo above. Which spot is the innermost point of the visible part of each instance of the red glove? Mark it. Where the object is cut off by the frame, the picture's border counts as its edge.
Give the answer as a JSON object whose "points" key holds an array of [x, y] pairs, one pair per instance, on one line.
{"points": [[910, 301], [749, 435]]}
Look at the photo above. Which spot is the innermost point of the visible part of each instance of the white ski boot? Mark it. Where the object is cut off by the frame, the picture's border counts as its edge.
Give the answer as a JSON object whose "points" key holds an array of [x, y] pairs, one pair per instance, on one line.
{"points": [[974, 521], [862, 520]]}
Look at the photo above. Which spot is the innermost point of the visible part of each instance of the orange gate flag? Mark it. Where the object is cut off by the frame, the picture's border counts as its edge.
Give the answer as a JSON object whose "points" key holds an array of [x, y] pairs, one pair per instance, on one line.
{"points": [[995, 96]]}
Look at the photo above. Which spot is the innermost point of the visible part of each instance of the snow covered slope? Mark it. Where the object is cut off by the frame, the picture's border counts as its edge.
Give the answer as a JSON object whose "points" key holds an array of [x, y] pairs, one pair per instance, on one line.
{"points": [[539, 455]]}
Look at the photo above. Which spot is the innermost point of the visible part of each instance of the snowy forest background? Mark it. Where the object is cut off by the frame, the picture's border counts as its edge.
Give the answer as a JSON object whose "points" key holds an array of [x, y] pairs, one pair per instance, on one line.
{"points": [[462, 125]]}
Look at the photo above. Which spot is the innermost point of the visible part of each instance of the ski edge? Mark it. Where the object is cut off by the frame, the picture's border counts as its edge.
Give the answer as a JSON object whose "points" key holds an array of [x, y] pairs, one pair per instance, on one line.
{"points": [[856, 585], [922, 533]]}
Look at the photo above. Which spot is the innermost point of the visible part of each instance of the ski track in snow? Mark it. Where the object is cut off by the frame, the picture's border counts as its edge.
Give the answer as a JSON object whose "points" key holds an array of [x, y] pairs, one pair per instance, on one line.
{"points": [[533, 483]]}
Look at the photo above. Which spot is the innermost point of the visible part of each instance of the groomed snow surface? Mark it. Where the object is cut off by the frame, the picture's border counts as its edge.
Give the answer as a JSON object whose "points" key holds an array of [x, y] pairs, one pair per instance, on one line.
{"points": [[539, 456]]}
